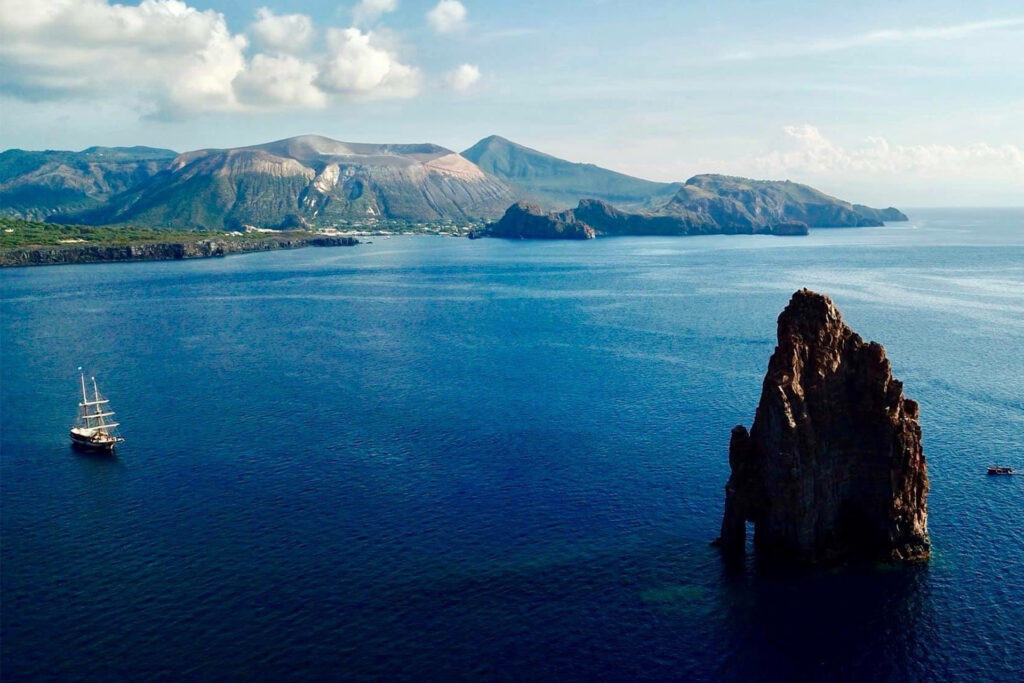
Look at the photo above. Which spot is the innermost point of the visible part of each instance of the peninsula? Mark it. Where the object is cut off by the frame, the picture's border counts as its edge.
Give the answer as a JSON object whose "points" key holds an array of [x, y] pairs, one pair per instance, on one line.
{"points": [[704, 205], [29, 243]]}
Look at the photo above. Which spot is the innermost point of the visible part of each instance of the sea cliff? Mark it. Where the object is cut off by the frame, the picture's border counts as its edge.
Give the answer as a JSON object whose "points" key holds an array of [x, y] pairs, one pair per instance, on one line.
{"points": [[161, 251], [526, 221], [832, 467]]}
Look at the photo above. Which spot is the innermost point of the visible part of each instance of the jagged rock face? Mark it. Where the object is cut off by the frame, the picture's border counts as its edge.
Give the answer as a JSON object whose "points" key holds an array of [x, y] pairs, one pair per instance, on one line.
{"points": [[833, 466], [530, 222]]}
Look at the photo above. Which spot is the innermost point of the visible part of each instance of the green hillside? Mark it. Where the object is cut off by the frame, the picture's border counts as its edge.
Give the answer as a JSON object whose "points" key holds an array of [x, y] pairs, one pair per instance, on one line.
{"points": [[38, 185]]}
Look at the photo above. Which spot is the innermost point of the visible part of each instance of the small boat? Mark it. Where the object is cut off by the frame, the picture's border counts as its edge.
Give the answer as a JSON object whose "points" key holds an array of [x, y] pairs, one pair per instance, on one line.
{"points": [[999, 469], [92, 430]]}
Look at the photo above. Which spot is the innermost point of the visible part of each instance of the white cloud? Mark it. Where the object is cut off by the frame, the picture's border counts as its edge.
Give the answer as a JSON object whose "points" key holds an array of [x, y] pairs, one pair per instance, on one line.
{"points": [[370, 10], [288, 33], [172, 60], [463, 77], [812, 47], [815, 154], [279, 80], [185, 58], [447, 16], [357, 66]]}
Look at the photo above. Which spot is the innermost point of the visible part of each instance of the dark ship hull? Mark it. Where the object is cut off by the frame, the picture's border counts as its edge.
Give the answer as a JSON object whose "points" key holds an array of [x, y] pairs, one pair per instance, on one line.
{"points": [[94, 443]]}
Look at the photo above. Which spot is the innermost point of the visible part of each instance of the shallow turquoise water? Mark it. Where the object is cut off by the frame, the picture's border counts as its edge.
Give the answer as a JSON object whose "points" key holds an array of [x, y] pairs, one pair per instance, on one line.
{"points": [[436, 458]]}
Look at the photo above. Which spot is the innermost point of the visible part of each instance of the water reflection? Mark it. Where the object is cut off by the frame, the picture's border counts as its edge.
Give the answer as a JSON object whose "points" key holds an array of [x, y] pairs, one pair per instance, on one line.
{"points": [[851, 623]]}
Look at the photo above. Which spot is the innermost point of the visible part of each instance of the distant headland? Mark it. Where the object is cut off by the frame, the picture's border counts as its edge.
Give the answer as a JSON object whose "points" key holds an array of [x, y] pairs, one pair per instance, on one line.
{"points": [[177, 247]]}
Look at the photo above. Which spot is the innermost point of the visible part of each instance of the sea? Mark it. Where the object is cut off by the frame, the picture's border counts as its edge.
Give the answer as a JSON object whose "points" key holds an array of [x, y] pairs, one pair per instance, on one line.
{"points": [[427, 458]]}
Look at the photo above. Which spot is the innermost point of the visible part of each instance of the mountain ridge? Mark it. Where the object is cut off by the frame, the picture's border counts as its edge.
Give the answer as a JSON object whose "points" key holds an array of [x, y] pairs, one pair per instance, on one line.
{"points": [[557, 183], [307, 179], [38, 184], [311, 180]]}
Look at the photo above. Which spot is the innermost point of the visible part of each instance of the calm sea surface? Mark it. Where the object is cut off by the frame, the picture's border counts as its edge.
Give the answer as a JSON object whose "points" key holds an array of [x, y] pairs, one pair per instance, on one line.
{"points": [[434, 458]]}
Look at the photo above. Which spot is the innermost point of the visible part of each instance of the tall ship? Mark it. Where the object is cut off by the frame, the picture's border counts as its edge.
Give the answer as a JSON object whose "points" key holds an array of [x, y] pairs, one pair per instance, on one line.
{"points": [[93, 429]]}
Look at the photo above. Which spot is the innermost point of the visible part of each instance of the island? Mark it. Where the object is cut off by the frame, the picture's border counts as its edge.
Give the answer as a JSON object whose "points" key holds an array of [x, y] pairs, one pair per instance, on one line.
{"points": [[832, 468]]}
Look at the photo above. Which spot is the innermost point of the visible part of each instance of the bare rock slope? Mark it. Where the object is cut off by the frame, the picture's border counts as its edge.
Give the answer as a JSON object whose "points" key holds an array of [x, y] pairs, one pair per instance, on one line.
{"points": [[833, 466], [312, 178]]}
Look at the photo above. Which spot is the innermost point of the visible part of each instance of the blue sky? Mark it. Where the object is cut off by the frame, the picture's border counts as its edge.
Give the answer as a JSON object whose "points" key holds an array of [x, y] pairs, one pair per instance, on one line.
{"points": [[910, 103]]}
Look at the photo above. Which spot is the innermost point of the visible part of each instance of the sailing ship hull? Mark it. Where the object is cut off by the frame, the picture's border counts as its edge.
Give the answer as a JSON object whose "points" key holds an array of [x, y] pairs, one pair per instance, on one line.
{"points": [[88, 443]]}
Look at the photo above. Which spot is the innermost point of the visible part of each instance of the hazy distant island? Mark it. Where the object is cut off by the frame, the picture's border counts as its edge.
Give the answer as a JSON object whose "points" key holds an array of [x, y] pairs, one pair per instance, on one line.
{"points": [[221, 199]]}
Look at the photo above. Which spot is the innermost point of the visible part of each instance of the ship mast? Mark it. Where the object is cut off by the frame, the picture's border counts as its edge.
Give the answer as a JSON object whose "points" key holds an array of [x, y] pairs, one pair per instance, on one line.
{"points": [[99, 411], [101, 424]]}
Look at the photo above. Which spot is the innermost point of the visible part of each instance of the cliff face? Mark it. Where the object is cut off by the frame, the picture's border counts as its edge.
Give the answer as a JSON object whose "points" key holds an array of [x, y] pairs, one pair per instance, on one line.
{"points": [[529, 222], [160, 251], [590, 218], [607, 220], [832, 467]]}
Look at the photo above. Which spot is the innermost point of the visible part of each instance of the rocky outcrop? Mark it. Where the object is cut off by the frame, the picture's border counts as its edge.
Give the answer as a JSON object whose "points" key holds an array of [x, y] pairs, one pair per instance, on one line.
{"points": [[832, 467], [522, 220], [790, 229], [605, 219], [160, 251], [888, 215]]}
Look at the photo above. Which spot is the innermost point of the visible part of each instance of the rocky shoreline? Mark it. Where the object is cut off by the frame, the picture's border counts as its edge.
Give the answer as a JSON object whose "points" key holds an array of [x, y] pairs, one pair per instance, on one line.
{"points": [[160, 251]]}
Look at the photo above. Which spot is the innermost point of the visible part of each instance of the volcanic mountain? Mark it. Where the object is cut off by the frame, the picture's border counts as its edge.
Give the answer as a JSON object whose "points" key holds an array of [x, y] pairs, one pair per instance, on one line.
{"points": [[555, 183], [307, 179]]}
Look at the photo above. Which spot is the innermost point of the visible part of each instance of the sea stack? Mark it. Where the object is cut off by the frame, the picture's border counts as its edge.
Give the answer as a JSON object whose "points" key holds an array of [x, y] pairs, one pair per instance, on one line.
{"points": [[832, 468]]}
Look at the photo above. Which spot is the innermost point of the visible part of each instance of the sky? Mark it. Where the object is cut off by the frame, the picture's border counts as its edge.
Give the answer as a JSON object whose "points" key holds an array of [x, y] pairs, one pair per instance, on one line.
{"points": [[901, 103]]}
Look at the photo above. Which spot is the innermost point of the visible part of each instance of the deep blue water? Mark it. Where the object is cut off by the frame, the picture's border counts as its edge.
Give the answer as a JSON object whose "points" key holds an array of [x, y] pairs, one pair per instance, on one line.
{"points": [[433, 458]]}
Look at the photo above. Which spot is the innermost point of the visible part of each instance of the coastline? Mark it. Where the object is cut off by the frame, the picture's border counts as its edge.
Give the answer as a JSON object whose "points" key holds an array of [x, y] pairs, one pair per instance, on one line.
{"points": [[159, 251]]}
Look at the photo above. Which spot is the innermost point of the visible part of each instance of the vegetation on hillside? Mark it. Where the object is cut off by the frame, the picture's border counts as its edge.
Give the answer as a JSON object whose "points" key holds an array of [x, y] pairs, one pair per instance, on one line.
{"points": [[37, 185], [16, 232]]}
